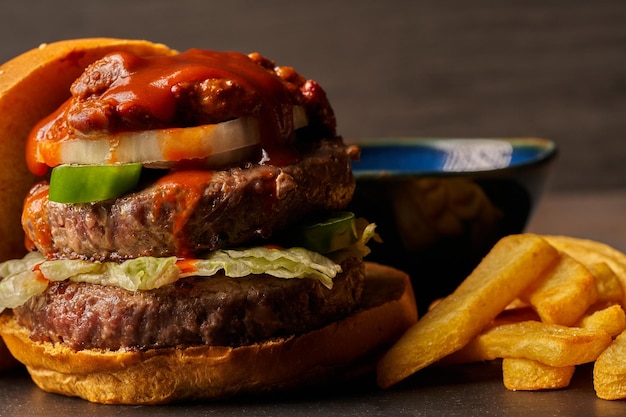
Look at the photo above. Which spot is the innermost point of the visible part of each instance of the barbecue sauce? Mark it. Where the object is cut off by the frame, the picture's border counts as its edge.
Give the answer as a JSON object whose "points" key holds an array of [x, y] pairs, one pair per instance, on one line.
{"points": [[36, 226]]}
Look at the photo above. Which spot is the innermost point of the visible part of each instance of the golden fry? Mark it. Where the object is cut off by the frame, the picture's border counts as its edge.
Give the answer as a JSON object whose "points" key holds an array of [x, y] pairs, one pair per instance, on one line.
{"points": [[517, 303], [564, 294], [610, 290], [513, 264], [591, 252], [520, 374], [609, 371], [611, 319], [515, 315], [550, 344]]}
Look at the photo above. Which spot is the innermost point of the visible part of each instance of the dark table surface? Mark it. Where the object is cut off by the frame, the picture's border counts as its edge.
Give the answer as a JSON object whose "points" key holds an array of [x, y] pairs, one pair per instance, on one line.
{"points": [[464, 391], [468, 390]]}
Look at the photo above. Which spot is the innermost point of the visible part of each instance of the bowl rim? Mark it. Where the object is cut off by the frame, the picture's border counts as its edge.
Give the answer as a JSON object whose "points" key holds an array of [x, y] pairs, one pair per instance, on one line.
{"points": [[546, 150]]}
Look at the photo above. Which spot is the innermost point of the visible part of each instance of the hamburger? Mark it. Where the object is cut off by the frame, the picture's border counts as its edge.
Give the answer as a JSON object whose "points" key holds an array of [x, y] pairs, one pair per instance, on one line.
{"points": [[183, 222]]}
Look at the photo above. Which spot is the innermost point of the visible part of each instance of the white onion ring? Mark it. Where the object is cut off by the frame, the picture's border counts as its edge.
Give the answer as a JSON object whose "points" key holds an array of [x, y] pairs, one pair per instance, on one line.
{"points": [[217, 144]]}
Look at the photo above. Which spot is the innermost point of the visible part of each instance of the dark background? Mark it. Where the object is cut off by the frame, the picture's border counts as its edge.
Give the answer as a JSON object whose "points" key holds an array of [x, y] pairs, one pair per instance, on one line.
{"points": [[439, 68]]}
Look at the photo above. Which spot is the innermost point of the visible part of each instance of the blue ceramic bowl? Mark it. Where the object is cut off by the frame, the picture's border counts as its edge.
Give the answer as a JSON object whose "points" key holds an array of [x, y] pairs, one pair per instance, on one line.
{"points": [[441, 204]]}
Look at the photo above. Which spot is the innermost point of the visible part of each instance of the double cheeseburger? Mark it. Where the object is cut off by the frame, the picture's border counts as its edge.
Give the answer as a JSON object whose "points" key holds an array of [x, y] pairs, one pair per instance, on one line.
{"points": [[184, 227]]}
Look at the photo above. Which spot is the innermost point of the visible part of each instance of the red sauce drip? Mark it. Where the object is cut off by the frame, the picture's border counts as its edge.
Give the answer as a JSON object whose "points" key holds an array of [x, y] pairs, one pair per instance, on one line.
{"points": [[183, 189], [192, 180], [37, 138], [39, 276], [187, 265], [149, 85], [35, 223]]}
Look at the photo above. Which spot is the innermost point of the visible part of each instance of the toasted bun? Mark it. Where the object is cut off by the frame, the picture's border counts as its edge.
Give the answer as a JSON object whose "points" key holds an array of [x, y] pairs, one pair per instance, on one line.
{"points": [[32, 86], [350, 346]]}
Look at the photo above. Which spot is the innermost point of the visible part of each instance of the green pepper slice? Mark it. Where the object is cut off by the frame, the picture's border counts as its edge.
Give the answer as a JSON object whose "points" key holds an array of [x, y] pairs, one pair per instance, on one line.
{"points": [[88, 183], [338, 231]]}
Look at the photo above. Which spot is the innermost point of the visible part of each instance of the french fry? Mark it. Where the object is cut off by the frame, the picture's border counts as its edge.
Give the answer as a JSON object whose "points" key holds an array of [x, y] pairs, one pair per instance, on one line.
{"points": [[609, 371], [564, 294], [519, 374], [513, 264], [591, 252], [517, 303], [610, 290], [434, 303], [515, 315], [611, 319], [550, 344], [470, 353]]}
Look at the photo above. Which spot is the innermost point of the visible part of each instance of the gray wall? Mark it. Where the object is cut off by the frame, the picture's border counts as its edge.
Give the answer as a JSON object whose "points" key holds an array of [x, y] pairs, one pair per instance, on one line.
{"points": [[551, 68]]}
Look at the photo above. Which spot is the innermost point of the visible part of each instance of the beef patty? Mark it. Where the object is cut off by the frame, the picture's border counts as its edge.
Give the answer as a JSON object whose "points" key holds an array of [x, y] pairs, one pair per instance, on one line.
{"points": [[192, 311], [190, 212]]}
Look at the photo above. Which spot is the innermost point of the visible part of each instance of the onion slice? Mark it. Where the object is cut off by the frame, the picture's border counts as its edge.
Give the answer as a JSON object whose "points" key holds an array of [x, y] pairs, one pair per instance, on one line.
{"points": [[151, 147], [217, 144]]}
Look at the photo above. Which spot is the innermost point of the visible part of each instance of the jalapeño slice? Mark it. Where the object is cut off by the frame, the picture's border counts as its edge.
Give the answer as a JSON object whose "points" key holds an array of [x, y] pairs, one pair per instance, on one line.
{"points": [[89, 183], [337, 231]]}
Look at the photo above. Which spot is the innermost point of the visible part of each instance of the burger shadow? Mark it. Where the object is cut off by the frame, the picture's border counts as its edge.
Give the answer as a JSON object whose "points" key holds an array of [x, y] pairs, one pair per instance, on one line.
{"points": [[364, 389], [327, 391]]}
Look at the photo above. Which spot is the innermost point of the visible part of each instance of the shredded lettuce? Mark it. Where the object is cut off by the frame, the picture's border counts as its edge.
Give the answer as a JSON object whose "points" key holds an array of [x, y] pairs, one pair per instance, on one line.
{"points": [[18, 288], [145, 273], [29, 276], [281, 263], [366, 232], [21, 279], [15, 266]]}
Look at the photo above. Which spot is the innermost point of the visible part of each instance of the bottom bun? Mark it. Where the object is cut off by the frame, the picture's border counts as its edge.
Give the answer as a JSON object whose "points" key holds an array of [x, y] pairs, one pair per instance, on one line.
{"points": [[342, 349]]}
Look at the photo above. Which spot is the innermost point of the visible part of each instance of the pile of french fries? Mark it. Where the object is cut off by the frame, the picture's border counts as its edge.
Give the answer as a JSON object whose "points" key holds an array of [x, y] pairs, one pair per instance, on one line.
{"points": [[541, 304]]}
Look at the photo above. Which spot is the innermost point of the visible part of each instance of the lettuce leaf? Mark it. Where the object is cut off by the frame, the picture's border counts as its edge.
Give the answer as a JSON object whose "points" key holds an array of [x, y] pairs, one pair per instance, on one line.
{"points": [[24, 278], [145, 273], [366, 232], [21, 280], [18, 288], [278, 262], [29, 276]]}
